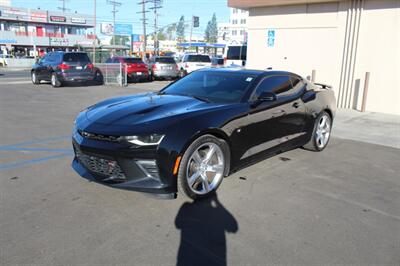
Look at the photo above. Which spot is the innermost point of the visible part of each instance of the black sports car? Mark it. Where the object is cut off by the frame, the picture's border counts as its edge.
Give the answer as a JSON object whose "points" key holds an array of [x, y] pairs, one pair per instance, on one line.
{"points": [[199, 129]]}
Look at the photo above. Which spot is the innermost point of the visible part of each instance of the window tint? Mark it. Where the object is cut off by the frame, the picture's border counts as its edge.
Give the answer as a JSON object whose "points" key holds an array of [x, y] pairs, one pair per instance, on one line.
{"points": [[133, 60], [219, 87], [297, 84], [165, 60], [276, 84], [76, 58], [198, 58], [237, 53]]}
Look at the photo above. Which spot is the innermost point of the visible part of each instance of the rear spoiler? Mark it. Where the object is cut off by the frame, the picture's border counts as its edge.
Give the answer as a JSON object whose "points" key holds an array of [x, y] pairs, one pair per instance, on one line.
{"points": [[324, 86]]}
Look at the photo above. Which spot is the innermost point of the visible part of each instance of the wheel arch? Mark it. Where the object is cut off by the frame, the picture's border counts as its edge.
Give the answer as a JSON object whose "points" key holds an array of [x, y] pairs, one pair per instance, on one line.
{"points": [[218, 133], [329, 111]]}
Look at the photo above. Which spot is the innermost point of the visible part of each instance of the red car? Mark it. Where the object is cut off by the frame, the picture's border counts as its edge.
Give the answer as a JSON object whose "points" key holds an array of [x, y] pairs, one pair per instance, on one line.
{"points": [[136, 69]]}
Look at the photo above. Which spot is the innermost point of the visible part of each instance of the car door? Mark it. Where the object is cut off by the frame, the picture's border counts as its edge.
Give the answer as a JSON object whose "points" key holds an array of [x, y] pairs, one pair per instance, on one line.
{"points": [[41, 69], [273, 123]]}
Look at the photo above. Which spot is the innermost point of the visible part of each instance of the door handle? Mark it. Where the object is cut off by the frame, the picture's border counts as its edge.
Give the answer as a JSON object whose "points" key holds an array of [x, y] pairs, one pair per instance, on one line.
{"points": [[278, 112], [295, 104]]}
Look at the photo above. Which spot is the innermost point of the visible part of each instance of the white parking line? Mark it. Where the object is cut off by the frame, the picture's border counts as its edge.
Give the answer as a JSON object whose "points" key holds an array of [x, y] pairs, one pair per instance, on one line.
{"points": [[15, 82]]}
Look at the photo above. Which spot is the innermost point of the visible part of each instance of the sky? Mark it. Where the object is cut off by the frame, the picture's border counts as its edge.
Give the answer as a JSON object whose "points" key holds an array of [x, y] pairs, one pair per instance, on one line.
{"points": [[169, 13]]}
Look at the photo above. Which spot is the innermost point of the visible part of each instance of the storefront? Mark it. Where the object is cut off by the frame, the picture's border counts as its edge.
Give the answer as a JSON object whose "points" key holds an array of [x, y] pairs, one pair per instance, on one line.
{"points": [[29, 32]]}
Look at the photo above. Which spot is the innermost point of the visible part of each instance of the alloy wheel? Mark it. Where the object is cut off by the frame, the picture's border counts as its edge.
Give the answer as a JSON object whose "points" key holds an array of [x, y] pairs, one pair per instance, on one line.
{"points": [[205, 168], [53, 80], [323, 131]]}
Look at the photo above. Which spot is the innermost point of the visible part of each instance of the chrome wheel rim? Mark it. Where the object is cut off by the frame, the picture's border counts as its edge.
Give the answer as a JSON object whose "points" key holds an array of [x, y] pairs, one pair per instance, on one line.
{"points": [[53, 80], [33, 77], [323, 131], [205, 168]]}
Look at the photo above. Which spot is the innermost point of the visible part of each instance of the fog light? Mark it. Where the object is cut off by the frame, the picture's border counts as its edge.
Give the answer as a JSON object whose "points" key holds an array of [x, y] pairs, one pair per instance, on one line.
{"points": [[149, 167]]}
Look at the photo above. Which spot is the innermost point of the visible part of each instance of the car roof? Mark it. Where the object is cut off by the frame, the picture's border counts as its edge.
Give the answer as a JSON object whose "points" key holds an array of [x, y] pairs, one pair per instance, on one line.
{"points": [[247, 71]]}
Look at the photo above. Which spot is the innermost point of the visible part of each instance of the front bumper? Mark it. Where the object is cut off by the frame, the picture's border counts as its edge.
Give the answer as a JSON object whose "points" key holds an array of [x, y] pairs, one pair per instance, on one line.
{"points": [[115, 165]]}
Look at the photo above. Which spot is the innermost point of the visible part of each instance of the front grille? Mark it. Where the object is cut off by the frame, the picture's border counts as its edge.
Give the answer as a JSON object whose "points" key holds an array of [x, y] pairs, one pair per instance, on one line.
{"points": [[109, 169], [98, 136]]}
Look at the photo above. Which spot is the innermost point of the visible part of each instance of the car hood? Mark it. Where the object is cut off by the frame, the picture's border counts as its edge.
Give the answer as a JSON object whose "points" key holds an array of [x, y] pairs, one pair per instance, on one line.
{"points": [[145, 108]]}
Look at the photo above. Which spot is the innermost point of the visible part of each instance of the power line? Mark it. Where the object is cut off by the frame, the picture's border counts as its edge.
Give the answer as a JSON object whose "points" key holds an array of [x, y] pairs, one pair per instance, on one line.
{"points": [[63, 8]]}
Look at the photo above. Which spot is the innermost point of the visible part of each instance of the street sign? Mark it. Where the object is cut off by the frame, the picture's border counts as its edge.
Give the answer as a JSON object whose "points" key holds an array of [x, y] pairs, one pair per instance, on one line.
{"points": [[271, 38], [196, 22]]}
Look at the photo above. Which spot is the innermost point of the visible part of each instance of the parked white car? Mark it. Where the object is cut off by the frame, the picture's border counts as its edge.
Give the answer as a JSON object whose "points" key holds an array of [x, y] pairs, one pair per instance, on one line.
{"points": [[192, 62], [4, 58]]}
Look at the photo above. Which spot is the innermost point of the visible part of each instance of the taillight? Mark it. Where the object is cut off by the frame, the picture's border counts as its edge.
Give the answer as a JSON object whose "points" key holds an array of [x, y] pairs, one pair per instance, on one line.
{"points": [[224, 60], [186, 65], [63, 66], [177, 67], [154, 67], [90, 66]]}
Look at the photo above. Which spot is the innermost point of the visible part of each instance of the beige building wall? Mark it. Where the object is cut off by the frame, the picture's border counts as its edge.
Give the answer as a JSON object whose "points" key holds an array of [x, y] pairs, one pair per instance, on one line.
{"points": [[5, 2], [340, 45]]}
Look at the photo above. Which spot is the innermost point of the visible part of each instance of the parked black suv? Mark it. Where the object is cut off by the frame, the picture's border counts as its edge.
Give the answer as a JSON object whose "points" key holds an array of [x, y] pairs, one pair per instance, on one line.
{"points": [[65, 67]]}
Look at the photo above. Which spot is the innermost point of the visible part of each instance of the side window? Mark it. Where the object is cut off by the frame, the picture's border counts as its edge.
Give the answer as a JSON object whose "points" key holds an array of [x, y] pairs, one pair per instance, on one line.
{"points": [[297, 85], [280, 85]]}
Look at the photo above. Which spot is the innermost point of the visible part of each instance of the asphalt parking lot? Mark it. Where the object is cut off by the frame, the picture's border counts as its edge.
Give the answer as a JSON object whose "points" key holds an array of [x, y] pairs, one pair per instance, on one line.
{"points": [[340, 206]]}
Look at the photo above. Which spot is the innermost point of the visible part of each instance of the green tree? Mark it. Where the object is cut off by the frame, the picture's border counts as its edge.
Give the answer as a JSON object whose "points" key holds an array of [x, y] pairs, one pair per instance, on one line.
{"points": [[207, 32], [213, 29], [161, 36], [180, 29], [171, 31]]}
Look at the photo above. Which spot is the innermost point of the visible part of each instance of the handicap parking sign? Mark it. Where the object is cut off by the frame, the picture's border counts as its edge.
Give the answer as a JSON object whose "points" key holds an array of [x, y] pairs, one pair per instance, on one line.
{"points": [[270, 38]]}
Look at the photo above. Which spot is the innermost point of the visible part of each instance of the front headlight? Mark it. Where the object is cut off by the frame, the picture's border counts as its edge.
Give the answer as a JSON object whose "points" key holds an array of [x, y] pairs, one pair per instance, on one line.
{"points": [[153, 139]]}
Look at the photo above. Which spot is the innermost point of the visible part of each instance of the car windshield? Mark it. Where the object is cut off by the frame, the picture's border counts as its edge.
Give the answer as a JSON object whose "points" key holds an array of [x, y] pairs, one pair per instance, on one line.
{"points": [[198, 58], [165, 60], [133, 60], [76, 57], [212, 86]]}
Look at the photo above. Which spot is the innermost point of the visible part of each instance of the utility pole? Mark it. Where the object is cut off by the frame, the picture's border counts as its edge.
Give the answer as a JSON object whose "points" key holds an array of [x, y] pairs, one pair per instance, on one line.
{"points": [[191, 31], [114, 10], [63, 8], [95, 38], [157, 5], [143, 12]]}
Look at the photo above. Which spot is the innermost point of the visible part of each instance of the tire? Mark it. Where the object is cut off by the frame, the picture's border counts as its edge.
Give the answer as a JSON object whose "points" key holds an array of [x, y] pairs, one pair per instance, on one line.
{"points": [[182, 73], [98, 78], [34, 78], [195, 163], [55, 82], [321, 133], [151, 77]]}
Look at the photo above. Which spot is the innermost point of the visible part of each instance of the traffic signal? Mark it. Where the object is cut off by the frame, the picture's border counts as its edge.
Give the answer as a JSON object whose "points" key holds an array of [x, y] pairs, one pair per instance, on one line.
{"points": [[196, 22]]}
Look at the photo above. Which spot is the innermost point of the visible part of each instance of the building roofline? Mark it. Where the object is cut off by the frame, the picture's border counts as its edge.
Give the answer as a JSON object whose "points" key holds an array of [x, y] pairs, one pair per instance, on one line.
{"points": [[246, 4]]}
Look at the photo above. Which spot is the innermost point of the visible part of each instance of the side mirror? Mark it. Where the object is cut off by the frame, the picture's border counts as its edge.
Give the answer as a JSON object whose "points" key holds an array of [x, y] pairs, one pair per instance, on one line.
{"points": [[267, 97]]}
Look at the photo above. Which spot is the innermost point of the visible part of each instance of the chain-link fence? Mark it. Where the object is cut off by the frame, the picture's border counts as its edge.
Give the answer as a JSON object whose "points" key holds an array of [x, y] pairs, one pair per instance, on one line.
{"points": [[113, 73]]}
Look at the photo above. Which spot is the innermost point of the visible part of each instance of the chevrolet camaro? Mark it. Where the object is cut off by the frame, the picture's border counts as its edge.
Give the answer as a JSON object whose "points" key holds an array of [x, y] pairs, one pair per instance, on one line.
{"points": [[199, 129]]}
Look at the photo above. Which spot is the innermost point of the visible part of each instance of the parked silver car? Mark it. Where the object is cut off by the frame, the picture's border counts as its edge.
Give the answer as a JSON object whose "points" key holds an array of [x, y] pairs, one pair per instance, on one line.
{"points": [[163, 67]]}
